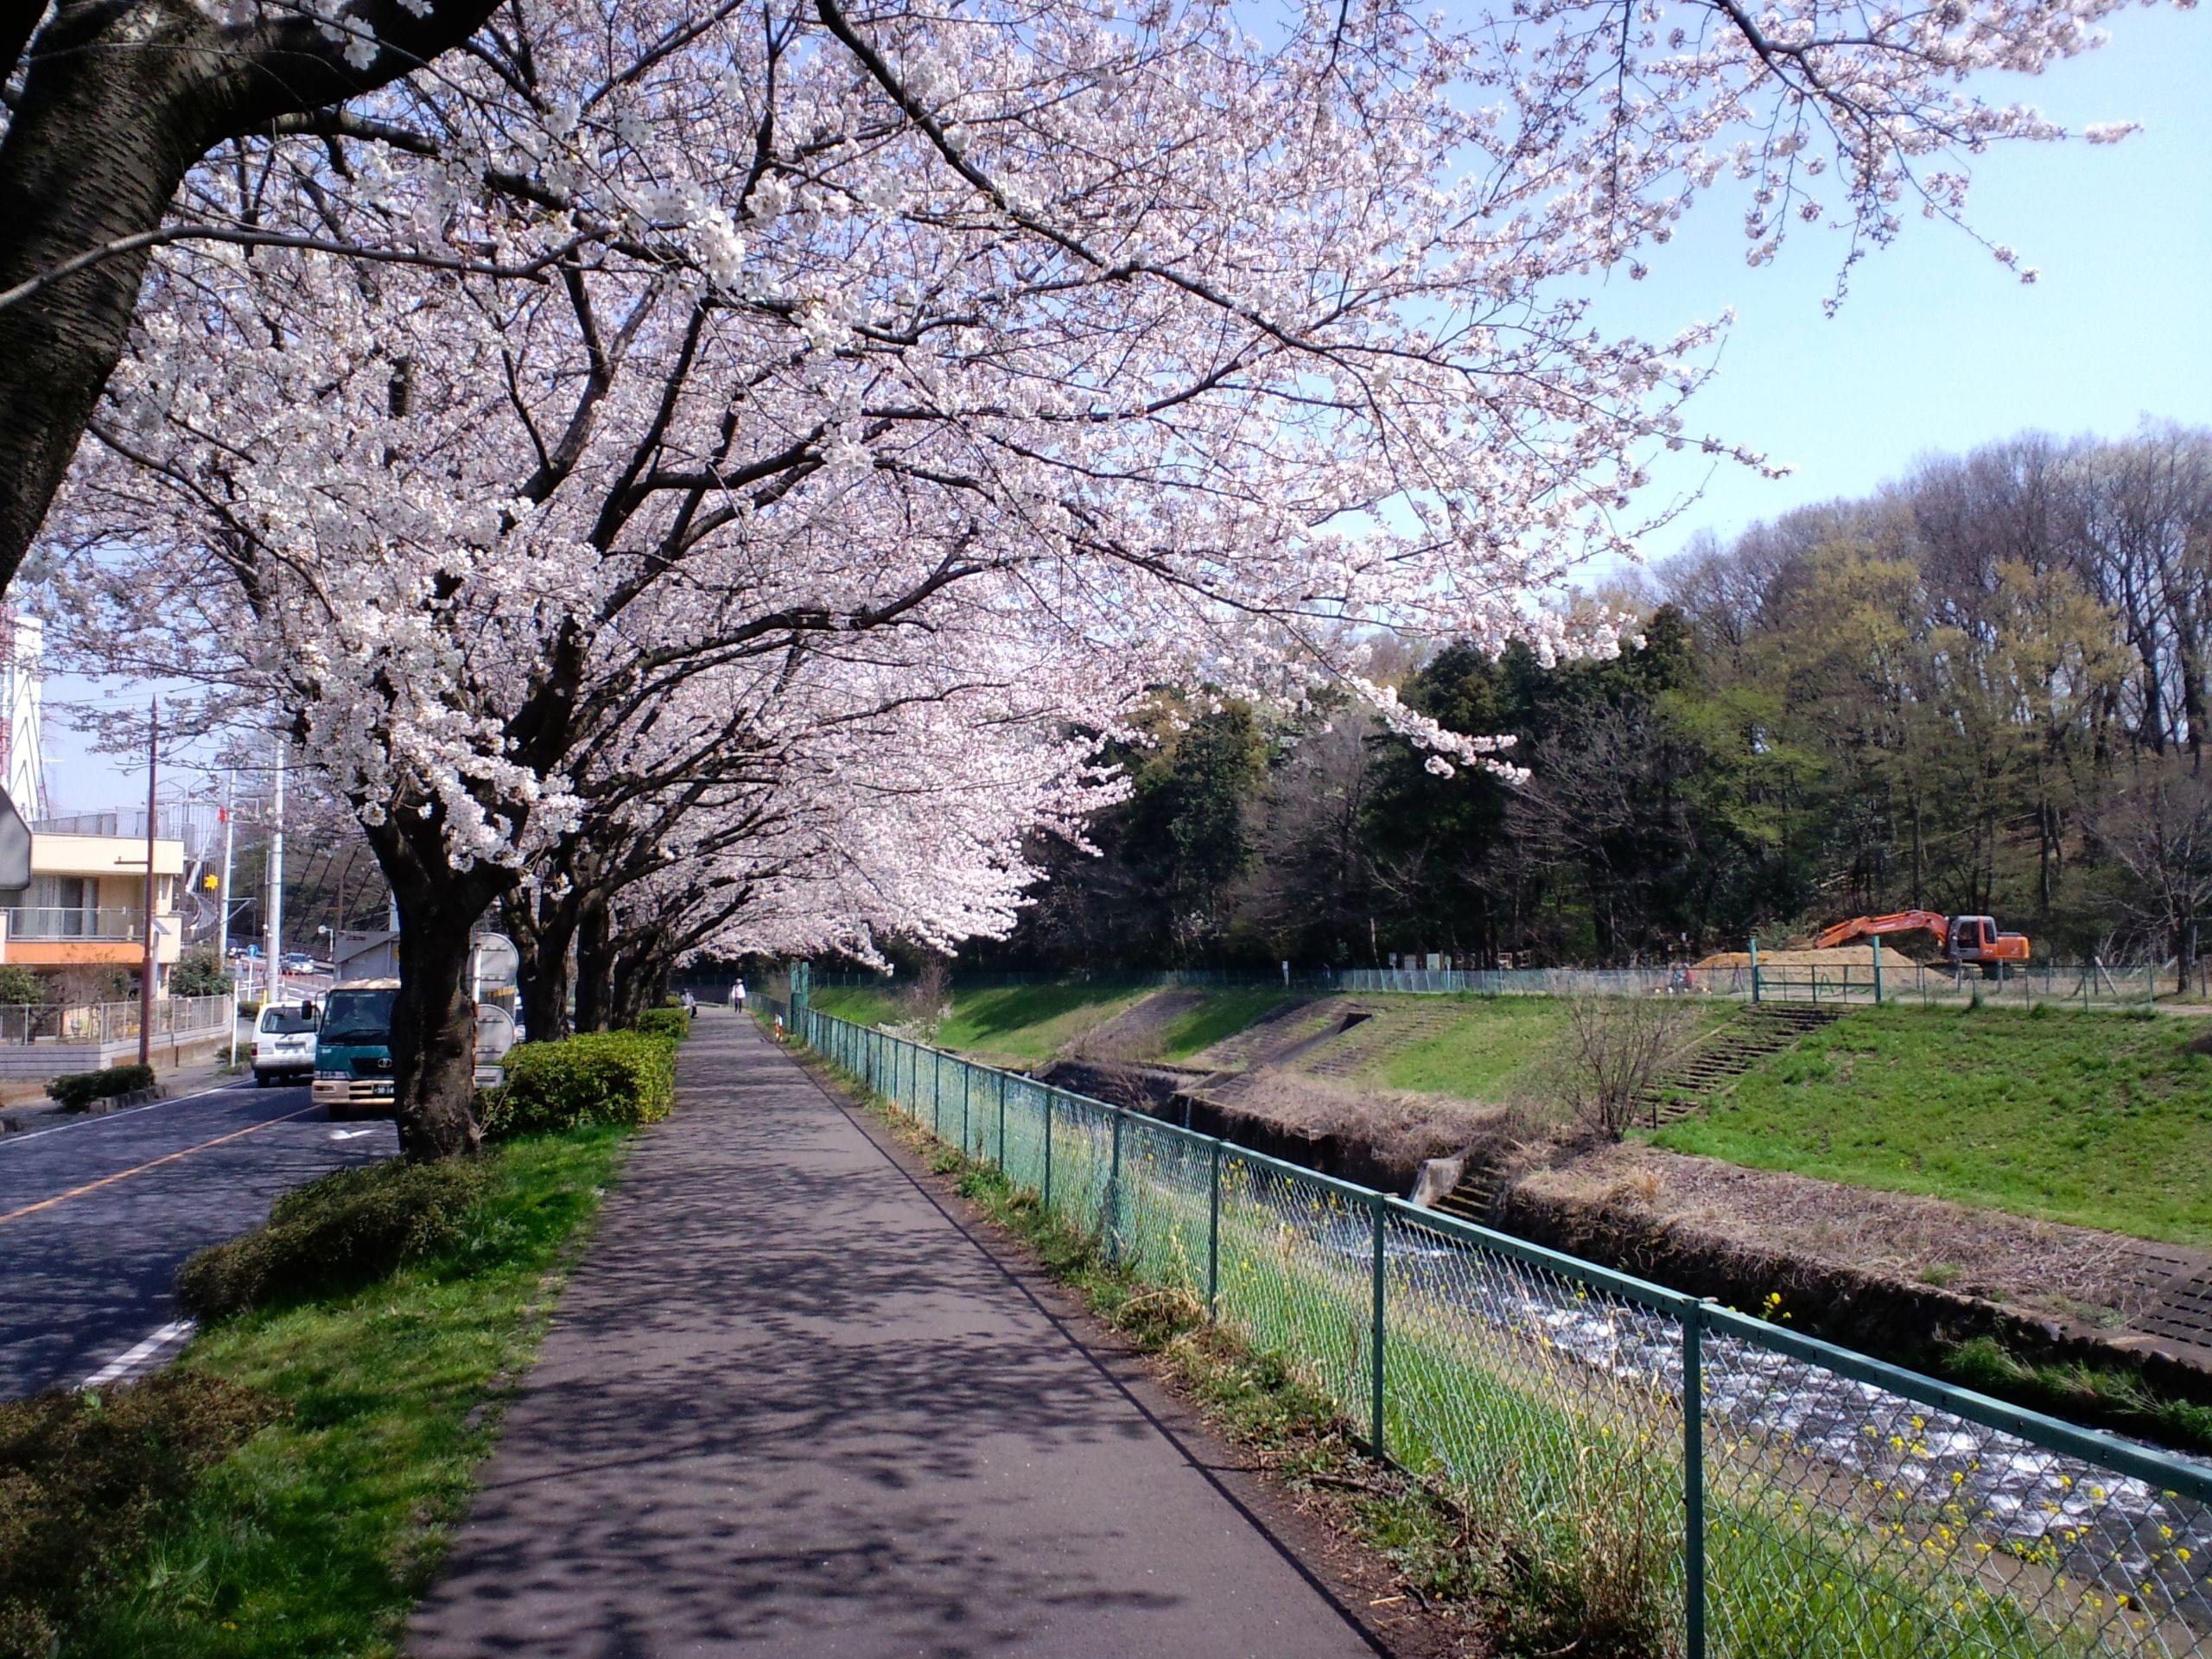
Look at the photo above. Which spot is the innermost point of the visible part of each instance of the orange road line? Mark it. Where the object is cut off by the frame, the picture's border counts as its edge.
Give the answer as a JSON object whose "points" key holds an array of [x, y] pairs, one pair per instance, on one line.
{"points": [[140, 1169]]}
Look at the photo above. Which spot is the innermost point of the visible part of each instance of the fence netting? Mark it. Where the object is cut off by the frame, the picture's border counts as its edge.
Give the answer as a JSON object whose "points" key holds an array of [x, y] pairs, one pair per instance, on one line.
{"points": [[1815, 1503]]}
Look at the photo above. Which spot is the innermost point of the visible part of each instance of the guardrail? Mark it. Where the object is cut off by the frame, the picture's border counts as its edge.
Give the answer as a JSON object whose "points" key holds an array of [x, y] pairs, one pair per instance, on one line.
{"points": [[111, 1022], [1712, 1482], [115, 923]]}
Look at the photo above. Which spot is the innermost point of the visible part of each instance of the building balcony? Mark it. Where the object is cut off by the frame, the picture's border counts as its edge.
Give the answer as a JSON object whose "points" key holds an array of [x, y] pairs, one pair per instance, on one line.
{"points": [[46, 936], [47, 922]]}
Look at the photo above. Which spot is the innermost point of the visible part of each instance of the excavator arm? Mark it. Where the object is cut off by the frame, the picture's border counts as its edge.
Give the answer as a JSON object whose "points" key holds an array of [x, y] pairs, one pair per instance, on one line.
{"points": [[1901, 921]]}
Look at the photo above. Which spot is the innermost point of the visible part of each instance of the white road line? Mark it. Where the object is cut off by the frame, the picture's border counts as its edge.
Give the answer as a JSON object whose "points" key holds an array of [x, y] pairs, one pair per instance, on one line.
{"points": [[96, 1119], [142, 1358], [349, 1135]]}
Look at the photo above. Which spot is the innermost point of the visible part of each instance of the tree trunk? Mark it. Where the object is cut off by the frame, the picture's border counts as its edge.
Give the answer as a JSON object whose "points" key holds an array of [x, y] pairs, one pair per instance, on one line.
{"points": [[542, 930], [120, 98], [595, 965], [434, 1033], [108, 126], [434, 1019], [641, 971]]}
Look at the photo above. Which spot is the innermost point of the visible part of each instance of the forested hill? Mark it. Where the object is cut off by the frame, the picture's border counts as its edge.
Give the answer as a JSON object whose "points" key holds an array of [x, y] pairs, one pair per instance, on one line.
{"points": [[1985, 688]]}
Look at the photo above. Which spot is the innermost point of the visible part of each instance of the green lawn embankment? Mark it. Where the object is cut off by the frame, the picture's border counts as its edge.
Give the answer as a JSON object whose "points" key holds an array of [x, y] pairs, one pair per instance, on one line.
{"points": [[1028, 1024], [2094, 1119]]}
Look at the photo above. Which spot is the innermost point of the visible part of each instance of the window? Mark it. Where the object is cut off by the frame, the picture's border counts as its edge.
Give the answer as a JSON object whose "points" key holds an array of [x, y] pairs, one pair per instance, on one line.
{"points": [[284, 1022]]}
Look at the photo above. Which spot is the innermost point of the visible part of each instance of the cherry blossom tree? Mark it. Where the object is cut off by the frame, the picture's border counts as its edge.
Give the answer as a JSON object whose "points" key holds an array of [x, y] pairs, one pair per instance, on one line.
{"points": [[637, 400], [1585, 129]]}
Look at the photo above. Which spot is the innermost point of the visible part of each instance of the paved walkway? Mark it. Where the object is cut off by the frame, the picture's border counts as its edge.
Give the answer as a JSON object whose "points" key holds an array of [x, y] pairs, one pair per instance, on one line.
{"points": [[788, 1407]]}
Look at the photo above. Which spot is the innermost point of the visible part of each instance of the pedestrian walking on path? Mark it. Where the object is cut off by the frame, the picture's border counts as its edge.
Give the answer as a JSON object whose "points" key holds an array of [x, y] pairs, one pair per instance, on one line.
{"points": [[788, 1406]]}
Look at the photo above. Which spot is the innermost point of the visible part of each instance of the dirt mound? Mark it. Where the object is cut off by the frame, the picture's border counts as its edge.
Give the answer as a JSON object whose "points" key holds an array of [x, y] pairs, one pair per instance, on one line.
{"points": [[1843, 955]]}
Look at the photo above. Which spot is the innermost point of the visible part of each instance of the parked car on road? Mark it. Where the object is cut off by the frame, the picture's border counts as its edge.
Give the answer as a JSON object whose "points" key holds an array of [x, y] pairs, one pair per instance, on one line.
{"points": [[283, 1043]]}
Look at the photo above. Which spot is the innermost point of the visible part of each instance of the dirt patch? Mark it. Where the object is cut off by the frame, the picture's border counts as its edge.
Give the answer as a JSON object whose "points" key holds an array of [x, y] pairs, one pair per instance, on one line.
{"points": [[1137, 1033], [1379, 1137], [2099, 1278]]}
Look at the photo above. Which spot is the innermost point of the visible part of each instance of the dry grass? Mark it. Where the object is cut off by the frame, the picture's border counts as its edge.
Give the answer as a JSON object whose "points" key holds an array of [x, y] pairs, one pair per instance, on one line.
{"points": [[2074, 1271], [1403, 1128]]}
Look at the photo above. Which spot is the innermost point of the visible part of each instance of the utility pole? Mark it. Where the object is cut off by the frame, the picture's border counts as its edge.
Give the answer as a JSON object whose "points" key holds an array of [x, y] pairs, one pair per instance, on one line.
{"points": [[223, 906], [273, 943], [152, 962]]}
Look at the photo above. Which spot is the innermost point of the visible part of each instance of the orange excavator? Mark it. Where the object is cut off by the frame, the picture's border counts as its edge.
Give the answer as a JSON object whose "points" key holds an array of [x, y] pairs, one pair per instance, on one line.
{"points": [[1963, 940]]}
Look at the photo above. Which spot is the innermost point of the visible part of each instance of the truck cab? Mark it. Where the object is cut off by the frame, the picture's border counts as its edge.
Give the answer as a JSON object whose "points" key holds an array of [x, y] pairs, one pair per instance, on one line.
{"points": [[353, 1053]]}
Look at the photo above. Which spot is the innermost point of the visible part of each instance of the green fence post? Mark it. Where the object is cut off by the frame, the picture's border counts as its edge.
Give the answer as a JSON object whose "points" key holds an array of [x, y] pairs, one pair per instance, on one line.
{"points": [[936, 1093], [1375, 1340], [1878, 971], [1213, 1231], [967, 1089], [1002, 1120], [1048, 1149], [1694, 1479], [1755, 968], [1114, 1198]]}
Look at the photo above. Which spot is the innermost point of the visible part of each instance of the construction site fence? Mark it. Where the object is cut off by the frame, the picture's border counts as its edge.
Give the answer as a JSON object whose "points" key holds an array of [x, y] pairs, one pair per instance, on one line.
{"points": [[1895, 979], [1899, 979], [111, 1022], [1699, 1480]]}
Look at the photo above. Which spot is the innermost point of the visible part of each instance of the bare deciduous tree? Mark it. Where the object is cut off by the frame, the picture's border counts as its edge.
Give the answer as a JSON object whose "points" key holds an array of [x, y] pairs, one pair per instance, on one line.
{"points": [[1616, 1048], [2158, 831]]}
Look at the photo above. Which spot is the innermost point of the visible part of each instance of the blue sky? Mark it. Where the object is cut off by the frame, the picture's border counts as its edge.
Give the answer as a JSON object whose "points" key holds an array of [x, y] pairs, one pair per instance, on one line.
{"points": [[1938, 348]]}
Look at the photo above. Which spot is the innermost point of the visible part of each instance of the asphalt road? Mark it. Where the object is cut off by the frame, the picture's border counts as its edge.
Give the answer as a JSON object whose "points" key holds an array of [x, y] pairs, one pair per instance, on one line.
{"points": [[96, 1214]]}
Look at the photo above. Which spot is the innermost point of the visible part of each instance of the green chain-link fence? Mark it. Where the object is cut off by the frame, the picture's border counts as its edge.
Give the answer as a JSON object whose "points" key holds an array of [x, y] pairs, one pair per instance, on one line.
{"points": [[1722, 1484]]}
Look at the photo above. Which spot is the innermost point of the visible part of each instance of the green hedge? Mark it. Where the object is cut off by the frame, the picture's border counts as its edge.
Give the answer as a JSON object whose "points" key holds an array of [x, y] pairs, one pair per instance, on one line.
{"points": [[665, 1022], [85, 1476], [601, 1076], [77, 1090], [348, 1229]]}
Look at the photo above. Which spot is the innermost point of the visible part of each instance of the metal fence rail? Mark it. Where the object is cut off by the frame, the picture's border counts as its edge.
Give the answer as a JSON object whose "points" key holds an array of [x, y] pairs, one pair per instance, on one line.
{"points": [[1722, 1484], [1889, 978], [111, 1022]]}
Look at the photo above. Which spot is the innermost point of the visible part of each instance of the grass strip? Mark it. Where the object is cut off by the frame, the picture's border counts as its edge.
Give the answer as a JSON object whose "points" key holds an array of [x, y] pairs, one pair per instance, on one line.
{"points": [[318, 1535]]}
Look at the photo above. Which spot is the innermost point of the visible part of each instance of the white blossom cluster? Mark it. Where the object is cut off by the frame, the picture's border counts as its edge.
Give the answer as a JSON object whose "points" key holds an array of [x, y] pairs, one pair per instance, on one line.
{"points": [[863, 410]]}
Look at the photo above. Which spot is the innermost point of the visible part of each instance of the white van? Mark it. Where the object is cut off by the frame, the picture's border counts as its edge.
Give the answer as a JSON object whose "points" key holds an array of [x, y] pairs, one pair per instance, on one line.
{"points": [[283, 1043]]}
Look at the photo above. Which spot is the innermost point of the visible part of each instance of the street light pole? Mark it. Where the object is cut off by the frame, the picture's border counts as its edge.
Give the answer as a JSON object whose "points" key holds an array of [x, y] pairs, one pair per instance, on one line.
{"points": [[146, 973], [272, 947], [223, 908]]}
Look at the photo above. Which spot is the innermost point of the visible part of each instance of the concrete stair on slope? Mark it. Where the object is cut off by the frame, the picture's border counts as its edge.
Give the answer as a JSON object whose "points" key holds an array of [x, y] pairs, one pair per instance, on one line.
{"points": [[1365, 1045], [1697, 1075], [1275, 1037]]}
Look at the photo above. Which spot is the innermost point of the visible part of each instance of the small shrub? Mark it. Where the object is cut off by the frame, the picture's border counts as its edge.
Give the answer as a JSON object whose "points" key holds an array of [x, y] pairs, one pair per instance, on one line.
{"points": [[199, 973], [347, 1229], [18, 984], [83, 1477], [77, 1090], [600, 1076], [665, 1022]]}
